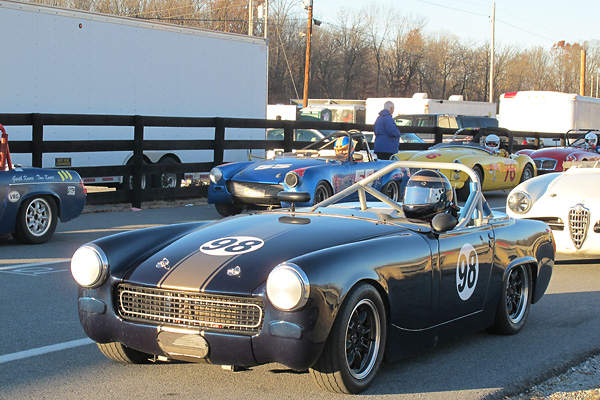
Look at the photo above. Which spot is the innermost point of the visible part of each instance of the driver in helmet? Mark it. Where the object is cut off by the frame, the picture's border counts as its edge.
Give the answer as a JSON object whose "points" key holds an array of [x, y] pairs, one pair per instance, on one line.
{"points": [[591, 141], [492, 143], [428, 193], [343, 146]]}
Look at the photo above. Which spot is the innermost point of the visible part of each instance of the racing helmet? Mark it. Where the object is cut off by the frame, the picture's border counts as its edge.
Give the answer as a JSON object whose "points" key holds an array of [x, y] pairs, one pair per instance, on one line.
{"points": [[492, 143], [343, 145], [591, 139], [427, 193]]}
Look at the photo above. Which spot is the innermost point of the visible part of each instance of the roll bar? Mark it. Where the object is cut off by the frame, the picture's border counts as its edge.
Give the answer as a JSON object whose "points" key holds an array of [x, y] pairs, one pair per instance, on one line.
{"points": [[472, 210]]}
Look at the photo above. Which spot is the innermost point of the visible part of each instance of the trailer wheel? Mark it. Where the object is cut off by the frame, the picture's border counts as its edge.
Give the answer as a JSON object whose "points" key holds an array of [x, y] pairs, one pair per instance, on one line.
{"points": [[128, 179], [167, 179], [36, 220]]}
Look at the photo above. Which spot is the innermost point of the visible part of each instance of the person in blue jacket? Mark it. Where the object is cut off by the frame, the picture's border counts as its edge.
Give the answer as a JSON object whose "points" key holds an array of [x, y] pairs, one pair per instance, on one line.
{"points": [[387, 135]]}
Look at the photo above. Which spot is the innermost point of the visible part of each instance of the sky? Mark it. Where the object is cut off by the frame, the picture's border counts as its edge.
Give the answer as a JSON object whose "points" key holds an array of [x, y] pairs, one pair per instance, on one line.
{"points": [[526, 23]]}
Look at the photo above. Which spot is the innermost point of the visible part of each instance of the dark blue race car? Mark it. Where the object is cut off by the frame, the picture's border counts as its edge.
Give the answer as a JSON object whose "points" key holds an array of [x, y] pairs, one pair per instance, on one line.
{"points": [[33, 199], [317, 169]]}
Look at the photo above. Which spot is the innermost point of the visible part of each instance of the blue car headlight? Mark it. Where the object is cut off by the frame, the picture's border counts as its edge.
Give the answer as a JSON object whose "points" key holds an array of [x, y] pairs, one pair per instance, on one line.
{"points": [[292, 179], [216, 175], [288, 287], [89, 266]]}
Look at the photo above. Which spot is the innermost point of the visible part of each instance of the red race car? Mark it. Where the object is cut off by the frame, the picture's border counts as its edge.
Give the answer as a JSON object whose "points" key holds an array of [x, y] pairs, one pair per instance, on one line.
{"points": [[577, 148]]}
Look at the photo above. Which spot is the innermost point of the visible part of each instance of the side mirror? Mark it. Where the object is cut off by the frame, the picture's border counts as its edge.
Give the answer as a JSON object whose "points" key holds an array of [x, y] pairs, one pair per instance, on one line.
{"points": [[293, 197], [443, 222]]}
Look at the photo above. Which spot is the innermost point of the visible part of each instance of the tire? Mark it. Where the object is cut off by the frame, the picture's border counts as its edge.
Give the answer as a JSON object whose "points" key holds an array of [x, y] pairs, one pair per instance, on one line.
{"points": [[36, 220], [228, 209], [167, 180], [515, 301], [392, 190], [527, 173], [128, 180], [354, 349], [322, 192], [123, 354], [463, 192]]}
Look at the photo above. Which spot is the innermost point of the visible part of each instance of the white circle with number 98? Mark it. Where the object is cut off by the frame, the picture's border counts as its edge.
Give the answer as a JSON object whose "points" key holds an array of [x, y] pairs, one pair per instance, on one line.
{"points": [[231, 246], [467, 271]]}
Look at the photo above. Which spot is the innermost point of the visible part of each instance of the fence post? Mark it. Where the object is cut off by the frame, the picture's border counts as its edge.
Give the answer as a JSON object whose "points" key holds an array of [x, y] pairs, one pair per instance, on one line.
{"points": [[37, 140], [219, 141], [288, 136], [138, 160]]}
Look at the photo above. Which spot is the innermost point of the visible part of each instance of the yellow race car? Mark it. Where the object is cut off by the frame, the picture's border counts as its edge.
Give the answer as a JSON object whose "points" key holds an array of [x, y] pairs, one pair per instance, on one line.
{"points": [[489, 156]]}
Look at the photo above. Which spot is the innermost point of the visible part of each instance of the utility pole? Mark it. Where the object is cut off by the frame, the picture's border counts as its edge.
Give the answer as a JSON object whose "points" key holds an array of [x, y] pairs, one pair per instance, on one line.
{"points": [[250, 17], [582, 74], [307, 65], [492, 54]]}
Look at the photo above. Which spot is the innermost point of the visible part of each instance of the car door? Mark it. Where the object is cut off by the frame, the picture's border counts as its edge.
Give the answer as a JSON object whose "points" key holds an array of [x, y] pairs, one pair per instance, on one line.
{"points": [[465, 264], [502, 173]]}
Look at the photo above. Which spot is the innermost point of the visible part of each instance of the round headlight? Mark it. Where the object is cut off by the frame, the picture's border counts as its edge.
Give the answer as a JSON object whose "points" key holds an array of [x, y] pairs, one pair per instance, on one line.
{"points": [[287, 287], [519, 202], [89, 266], [292, 179], [216, 175]]}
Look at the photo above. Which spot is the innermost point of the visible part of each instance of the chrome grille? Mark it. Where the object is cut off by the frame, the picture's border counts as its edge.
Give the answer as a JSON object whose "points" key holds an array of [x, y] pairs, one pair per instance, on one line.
{"points": [[546, 164], [251, 189], [191, 309], [579, 219]]}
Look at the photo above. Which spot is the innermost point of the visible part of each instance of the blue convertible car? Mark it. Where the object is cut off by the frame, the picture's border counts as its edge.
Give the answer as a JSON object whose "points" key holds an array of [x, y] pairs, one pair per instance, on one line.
{"points": [[323, 169], [33, 199]]}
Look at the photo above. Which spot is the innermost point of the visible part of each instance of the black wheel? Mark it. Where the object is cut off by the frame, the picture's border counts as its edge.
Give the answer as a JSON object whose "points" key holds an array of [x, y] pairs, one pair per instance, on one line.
{"points": [[463, 192], [355, 346], [128, 180], [228, 209], [167, 180], [527, 173], [322, 192], [514, 303], [392, 190], [123, 354], [36, 220]]}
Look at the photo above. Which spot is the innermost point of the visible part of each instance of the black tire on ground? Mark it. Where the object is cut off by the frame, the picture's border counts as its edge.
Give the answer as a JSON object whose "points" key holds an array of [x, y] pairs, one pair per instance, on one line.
{"points": [[228, 209], [527, 173], [128, 180], [515, 301], [123, 354], [167, 180], [322, 192], [36, 220], [392, 190], [356, 343], [463, 192]]}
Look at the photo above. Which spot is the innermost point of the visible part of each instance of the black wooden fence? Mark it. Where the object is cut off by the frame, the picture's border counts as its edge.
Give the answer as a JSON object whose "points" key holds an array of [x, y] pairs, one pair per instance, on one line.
{"points": [[40, 145]]}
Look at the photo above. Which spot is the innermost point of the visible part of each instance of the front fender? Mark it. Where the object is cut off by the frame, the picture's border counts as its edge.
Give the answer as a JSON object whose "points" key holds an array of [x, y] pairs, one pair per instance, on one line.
{"points": [[523, 160], [405, 155]]}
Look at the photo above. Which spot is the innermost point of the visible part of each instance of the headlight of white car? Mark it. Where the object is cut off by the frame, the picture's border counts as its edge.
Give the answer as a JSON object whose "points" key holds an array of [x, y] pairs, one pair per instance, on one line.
{"points": [[89, 266], [287, 287], [519, 202]]}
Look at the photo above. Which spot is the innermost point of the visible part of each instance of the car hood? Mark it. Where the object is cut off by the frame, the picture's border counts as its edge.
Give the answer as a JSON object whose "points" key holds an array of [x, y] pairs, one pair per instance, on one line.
{"points": [[553, 152], [273, 171], [446, 153], [235, 255], [576, 184]]}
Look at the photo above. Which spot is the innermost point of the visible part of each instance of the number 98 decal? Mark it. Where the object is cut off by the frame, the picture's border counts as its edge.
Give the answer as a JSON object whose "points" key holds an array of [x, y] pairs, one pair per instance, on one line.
{"points": [[467, 271], [230, 246]]}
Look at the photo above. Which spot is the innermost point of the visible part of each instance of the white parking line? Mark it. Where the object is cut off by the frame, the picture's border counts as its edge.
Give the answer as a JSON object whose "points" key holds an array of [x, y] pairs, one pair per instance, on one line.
{"points": [[15, 266], [44, 350]]}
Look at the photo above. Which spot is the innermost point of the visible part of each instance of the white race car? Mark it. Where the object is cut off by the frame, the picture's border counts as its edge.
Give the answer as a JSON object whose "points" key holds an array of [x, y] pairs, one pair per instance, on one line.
{"points": [[569, 202]]}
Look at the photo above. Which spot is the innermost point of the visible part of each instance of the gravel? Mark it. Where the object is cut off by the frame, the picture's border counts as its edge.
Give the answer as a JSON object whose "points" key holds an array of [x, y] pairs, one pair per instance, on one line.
{"points": [[581, 382]]}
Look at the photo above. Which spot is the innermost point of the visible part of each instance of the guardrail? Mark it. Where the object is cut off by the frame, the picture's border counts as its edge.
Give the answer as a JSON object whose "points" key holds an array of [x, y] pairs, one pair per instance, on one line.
{"points": [[38, 146]]}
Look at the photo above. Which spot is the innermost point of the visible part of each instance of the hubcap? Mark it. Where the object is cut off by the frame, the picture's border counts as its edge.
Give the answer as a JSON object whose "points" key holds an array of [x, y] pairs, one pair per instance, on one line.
{"points": [[363, 337], [38, 217], [517, 292]]}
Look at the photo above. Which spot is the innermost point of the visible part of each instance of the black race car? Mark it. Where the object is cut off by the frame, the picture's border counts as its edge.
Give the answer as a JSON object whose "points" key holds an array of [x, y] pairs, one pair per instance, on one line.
{"points": [[334, 288]]}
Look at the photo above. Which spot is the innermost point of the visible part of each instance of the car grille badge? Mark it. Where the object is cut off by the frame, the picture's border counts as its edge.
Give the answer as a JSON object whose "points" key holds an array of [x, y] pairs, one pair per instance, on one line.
{"points": [[579, 219]]}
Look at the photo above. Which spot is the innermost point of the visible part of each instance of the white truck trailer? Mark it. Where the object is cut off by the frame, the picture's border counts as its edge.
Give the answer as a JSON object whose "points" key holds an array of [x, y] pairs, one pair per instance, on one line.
{"points": [[421, 104], [63, 61], [548, 112]]}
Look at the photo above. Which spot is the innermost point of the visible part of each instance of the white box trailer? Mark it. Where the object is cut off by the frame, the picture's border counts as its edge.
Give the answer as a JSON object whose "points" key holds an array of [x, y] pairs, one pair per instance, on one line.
{"points": [[421, 104], [545, 111], [57, 60]]}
